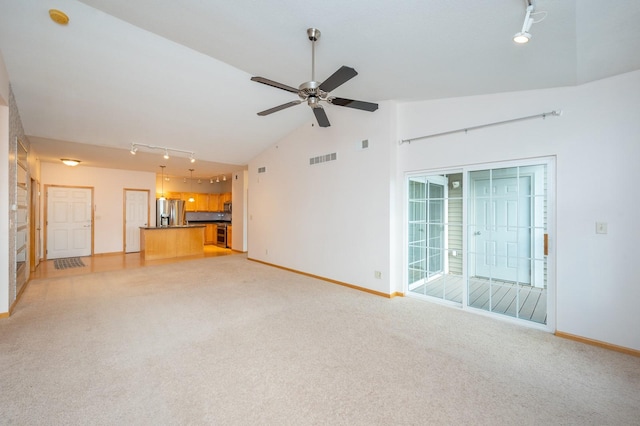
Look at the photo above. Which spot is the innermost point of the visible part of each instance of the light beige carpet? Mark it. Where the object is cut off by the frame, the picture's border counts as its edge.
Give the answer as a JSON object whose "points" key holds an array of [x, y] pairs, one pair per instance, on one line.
{"points": [[227, 341]]}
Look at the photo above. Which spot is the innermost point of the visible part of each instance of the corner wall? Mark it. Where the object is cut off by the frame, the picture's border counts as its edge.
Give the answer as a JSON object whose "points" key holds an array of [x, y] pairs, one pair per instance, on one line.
{"points": [[4, 188], [597, 148], [330, 219]]}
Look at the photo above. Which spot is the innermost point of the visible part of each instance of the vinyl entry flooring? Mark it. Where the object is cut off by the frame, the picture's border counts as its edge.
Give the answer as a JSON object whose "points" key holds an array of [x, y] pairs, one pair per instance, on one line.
{"points": [[117, 261], [495, 296]]}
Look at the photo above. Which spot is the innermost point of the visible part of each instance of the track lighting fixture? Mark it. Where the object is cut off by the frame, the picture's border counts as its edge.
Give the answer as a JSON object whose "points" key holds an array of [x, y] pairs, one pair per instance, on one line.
{"points": [[211, 180], [523, 36], [224, 178], [135, 146], [217, 179]]}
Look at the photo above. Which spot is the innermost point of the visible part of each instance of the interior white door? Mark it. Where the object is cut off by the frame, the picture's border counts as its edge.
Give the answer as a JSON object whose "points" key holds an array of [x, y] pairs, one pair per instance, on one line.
{"points": [[69, 222], [136, 215], [503, 228]]}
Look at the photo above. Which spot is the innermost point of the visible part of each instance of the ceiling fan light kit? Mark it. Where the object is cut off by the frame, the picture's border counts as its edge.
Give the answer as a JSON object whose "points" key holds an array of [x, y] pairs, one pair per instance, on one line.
{"points": [[313, 92]]}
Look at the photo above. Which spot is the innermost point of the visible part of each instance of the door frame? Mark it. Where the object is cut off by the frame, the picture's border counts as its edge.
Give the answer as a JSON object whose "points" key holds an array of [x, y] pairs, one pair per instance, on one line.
{"points": [[46, 215], [124, 213]]}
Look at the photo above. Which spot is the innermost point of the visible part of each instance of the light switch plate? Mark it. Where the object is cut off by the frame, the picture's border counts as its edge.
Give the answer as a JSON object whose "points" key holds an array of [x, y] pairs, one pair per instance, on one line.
{"points": [[601, 227]]}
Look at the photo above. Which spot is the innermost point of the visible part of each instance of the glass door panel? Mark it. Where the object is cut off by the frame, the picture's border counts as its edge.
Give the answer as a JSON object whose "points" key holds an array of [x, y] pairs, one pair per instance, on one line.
{"points": [[432, 224]]}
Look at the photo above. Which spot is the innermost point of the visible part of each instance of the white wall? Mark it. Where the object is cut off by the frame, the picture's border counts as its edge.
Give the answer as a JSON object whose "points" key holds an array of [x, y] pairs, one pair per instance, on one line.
{"points": [[4, 187], [597, 145], [330, 219], [108, 196], [239, 204]]}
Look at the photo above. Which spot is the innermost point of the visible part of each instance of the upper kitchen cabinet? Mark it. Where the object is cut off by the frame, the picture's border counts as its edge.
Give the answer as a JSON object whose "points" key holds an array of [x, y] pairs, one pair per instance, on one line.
{"points": [[224, 198], [214, 202], [202, 202]]}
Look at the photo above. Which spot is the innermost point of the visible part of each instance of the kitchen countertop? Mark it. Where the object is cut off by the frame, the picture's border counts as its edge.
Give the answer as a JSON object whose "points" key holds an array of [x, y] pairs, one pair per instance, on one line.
{"points": [[173, 227]]}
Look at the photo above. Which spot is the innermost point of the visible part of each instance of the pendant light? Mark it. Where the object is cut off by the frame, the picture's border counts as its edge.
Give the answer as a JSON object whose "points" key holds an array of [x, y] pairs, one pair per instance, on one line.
{"points": [[191, 199], [162, 183]]}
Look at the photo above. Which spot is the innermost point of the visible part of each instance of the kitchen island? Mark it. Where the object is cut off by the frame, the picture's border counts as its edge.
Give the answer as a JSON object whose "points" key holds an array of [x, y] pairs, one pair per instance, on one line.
{"points": [[171, 241]]}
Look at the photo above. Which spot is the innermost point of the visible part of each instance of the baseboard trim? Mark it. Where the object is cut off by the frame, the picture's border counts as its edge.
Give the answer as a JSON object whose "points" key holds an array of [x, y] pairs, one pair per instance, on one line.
{"points": [[355, 287], [15, 302], [112, 253], [600, 344]]}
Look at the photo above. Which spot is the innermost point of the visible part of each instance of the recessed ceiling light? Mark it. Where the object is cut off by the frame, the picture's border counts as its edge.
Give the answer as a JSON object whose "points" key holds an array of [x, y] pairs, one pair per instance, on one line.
{"points": [[70, 162], [58, 17]]}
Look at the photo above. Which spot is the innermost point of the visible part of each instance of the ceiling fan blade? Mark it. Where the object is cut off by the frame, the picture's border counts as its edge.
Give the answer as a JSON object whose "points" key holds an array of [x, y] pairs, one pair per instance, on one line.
{"points": [[338, 78], [274, 84], [366, 106], [279, 107], [321, 116]]}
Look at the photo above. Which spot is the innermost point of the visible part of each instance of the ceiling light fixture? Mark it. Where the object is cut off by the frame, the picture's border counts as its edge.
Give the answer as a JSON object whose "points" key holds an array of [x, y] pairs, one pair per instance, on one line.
{"points": [[224, 178], [135, 146], [58, 16], [211, 180], [523, 36], [217, 179], [191, 199], [70, 162]]}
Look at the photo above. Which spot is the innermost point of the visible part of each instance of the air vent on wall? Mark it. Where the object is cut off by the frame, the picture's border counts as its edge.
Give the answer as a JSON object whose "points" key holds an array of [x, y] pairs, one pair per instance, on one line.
{"points": [[262, 169], [323, 158]]}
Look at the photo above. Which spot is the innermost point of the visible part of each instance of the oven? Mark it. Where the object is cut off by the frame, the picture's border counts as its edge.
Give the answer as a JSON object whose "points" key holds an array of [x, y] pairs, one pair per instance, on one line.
{"points": [[221, 235]]}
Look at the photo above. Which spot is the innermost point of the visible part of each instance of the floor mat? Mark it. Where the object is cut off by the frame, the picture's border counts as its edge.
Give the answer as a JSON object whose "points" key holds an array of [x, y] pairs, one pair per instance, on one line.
{"points": [[69, 262]]}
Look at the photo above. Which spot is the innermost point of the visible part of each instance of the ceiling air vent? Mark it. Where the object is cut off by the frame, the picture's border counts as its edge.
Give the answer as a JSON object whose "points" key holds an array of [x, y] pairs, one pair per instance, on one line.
{"points": [[262, 169], [323, 158]]}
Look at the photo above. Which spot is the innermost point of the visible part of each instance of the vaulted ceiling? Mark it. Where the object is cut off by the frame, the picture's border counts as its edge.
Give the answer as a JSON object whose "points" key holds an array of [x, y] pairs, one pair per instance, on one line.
{"points": [[177, 73]]}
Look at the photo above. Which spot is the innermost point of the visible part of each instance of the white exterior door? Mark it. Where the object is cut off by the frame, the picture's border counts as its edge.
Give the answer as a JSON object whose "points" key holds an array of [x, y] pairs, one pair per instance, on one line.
{"points": [[69, 222], [502, 235], [136, 215]]}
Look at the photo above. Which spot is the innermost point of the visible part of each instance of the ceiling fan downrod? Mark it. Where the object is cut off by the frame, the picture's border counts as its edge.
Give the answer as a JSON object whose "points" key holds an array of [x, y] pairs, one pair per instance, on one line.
{"points": [[314, 35]]}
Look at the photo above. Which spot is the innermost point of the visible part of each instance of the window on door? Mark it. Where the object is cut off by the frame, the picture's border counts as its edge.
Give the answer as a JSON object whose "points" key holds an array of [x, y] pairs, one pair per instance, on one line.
{"points": [[492, 258]]}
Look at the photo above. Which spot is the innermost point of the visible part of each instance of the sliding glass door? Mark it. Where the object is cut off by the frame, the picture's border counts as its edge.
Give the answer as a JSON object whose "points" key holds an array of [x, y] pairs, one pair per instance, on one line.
{"points": [[502, 216]]}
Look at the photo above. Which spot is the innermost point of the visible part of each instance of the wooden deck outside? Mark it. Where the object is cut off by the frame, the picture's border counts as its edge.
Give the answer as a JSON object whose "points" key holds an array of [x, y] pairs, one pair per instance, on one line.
{"points": [[504, 298]]}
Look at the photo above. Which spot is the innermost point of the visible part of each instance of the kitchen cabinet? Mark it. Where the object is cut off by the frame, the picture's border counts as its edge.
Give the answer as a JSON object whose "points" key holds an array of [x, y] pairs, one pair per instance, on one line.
{"points": [[210, 233], [165, 243], [224, 198], [202, 202], [189, 206], [213, 202]]}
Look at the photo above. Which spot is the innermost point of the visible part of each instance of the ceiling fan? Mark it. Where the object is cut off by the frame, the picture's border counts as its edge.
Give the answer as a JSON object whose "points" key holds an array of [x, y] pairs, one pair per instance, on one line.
{"points": [[313, 92]]}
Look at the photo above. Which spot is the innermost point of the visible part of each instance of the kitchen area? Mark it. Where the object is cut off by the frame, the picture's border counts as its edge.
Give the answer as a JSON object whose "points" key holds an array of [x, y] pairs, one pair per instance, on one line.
{"points": [[185, 222]]}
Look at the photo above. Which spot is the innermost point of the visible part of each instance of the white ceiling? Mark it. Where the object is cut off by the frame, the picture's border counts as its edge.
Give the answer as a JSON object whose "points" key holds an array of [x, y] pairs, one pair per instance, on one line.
{"points": [[177, 74]]}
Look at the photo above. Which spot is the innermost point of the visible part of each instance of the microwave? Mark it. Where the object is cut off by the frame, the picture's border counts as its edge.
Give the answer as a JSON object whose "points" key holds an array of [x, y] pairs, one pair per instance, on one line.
{"points": [[227, 207]]}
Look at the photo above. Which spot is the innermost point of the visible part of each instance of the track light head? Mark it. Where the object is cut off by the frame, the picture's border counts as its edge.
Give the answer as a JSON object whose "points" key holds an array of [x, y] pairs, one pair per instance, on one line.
{"points": [[192, 158], [166, 154], [522, 37], [134, 149]]}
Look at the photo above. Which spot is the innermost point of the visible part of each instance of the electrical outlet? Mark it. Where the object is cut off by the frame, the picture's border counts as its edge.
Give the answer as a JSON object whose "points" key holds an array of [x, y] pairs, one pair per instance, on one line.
{"points": [[377, 274]]}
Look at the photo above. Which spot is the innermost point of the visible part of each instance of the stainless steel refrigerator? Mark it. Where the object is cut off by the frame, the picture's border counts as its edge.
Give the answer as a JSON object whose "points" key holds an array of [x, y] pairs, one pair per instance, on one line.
{"points": [[169, 212]]}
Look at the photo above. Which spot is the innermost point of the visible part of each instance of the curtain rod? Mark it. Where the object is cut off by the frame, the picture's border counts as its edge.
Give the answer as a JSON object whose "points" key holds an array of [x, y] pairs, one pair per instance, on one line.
{"points": [[466, 129]]}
